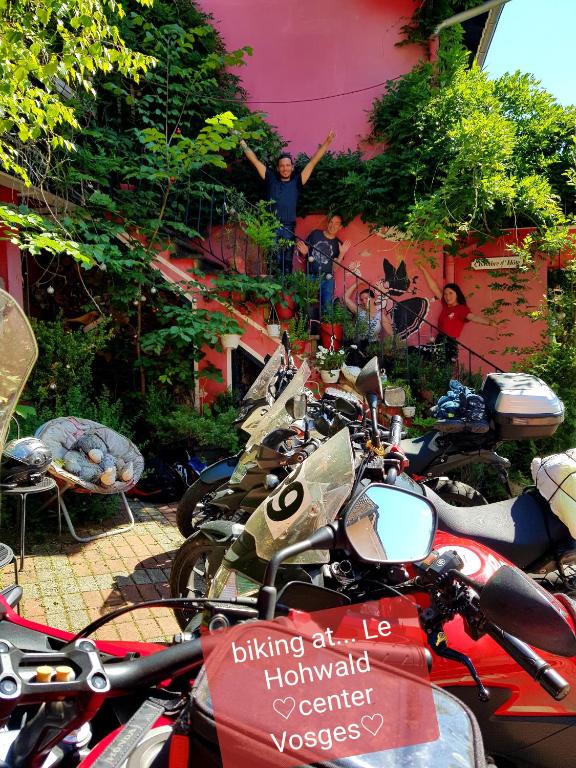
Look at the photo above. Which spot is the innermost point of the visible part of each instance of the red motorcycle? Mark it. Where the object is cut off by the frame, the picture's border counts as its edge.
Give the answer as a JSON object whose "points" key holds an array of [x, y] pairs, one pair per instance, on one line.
{"points": [[473, 608], [328, 487], [137, 697]]}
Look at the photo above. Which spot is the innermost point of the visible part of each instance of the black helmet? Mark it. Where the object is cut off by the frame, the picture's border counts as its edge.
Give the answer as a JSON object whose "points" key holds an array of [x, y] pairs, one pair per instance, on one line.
{"points": [[24, 462]]}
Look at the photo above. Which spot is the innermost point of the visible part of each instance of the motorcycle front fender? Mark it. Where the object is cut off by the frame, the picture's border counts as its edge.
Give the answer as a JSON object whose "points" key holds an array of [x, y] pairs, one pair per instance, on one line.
{"points": [[219, 472]]}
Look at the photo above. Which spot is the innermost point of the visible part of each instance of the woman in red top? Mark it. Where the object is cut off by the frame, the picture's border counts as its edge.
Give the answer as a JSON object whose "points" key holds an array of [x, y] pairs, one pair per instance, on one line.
{"points": [[455, 312], [453, 315]]}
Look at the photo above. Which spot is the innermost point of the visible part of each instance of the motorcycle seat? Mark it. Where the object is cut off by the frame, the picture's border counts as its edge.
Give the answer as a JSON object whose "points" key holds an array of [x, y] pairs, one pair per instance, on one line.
{"points": [[523, 529]]}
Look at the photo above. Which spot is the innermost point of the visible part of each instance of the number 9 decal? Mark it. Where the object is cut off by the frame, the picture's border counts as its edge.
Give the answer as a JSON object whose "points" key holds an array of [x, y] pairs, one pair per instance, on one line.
{"points": [[286, 503]]}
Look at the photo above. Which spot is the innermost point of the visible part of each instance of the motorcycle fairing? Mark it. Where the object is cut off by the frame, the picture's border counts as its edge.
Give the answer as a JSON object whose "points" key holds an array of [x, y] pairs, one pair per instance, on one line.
{"points": [[18, 353], [276, 417], [309, 498], [260, 387]]}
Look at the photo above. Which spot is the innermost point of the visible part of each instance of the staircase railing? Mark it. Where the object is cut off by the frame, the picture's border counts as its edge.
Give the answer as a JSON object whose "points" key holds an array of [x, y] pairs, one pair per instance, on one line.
{"points": [[227, 247]]}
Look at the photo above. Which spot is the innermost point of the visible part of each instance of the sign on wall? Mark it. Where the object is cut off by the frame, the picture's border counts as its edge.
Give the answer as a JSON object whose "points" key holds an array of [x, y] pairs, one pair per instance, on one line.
{"points": [[500, 262]]}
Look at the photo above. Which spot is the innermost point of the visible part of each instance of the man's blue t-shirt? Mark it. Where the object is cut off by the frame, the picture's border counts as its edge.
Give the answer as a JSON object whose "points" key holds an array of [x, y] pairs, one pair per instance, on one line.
{"points": [[322, 251], [284, 194]]}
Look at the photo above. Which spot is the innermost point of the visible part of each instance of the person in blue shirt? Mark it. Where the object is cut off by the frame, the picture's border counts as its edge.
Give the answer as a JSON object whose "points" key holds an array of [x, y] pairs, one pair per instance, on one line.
{"points": [[283, 185]]}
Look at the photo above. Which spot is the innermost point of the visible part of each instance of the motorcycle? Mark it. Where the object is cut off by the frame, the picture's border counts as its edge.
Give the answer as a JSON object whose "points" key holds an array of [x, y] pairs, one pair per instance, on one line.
{"points": [[516, 406], [68, 700], [480, 615], [268, 386]]}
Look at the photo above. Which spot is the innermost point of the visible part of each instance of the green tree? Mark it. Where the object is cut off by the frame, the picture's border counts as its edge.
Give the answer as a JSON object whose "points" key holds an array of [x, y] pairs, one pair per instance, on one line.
{"points": [[48, 51], [148, 150], [466, 155]]}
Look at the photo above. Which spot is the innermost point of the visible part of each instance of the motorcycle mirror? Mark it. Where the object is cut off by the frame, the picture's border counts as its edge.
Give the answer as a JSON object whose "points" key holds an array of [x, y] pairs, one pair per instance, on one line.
{"points": [[519, 606], [395, 397], [310, 597], [286, 342], [297, 406], [369, 381], [386, 524]]}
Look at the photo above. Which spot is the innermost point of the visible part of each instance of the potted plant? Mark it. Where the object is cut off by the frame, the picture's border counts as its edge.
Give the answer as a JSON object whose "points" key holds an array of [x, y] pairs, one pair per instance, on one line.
{"points": [[409, 408], [334, 316], [329, 361], [230, 340], [296, 294], [299, 332], [272, 322], [230, 333]]}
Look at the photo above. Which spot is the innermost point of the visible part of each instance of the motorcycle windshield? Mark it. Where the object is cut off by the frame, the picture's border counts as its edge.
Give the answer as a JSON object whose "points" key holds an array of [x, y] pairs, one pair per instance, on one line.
{"points": [[18, 353], [259, 388], [276, 416], [307, 499]]}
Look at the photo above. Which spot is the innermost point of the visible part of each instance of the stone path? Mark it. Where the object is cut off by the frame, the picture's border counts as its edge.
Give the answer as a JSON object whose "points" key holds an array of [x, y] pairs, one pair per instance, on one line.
{"points": [[68, 584]]}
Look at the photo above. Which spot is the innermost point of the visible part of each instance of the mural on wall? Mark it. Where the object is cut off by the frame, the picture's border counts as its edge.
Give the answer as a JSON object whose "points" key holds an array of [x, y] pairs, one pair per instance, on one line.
{"points": [[406, 309], [395, 268]]}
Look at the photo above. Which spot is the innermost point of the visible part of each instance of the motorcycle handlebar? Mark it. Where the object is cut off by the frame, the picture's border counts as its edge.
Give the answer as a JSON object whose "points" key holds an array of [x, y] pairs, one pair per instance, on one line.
{"points": [[94, 679], [552, 682], [395, 430], [175, 661]]}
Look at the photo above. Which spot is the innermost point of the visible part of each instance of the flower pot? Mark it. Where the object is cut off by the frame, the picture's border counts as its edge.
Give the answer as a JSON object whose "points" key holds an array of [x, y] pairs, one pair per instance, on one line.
{"points": [[285, 309], [330, 377], [331, 334], [230, 340], [273, 329], [255, 298], [299, 347], [409, 411]]}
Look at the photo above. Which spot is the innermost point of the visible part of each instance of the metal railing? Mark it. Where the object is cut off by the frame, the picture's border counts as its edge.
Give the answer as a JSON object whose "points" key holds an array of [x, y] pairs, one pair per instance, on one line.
{"points": [[406, 344]]}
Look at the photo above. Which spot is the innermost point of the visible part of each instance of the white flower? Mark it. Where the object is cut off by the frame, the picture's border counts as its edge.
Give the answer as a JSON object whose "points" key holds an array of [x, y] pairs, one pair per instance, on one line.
{"points": [[329, 359]]}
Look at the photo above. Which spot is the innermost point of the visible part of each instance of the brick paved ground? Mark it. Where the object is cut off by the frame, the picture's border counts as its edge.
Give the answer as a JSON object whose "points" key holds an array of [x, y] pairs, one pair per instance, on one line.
{"points": [[68, 584]]}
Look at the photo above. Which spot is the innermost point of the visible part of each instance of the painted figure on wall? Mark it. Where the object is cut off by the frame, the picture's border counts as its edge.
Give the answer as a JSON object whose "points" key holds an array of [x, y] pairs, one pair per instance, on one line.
{"points": [[406, 314]]}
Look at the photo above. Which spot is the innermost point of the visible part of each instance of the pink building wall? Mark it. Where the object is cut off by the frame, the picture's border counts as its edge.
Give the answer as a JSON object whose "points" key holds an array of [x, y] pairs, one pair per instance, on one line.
{"points": [[308, 49]]}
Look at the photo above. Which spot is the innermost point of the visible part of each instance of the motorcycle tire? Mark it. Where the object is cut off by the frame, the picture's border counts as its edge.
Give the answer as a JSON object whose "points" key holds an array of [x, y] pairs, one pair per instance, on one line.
{"points": [[455, 492], [195, 563], [189, 513]]}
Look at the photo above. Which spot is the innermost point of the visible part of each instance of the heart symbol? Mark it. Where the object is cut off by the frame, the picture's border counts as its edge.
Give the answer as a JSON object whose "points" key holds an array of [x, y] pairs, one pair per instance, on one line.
{"points": [[285, 707], [372, 723]]}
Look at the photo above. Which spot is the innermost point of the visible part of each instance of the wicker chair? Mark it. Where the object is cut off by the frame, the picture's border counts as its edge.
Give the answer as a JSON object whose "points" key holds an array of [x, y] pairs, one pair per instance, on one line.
{"points": [[60, 435]]}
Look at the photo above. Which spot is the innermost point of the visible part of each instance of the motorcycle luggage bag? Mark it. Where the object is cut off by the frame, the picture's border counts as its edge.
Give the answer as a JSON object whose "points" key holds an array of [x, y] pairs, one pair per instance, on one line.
{"points": [[521, 406], [459, 744]]}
